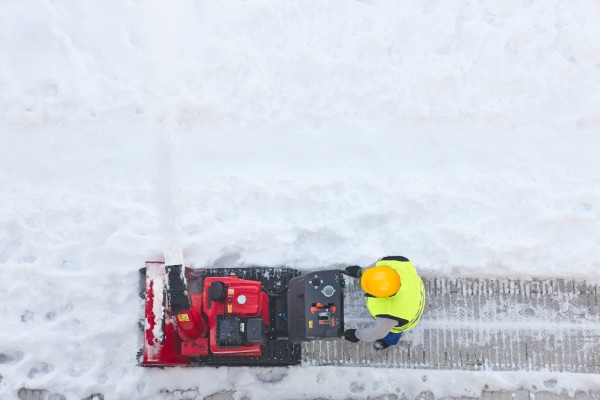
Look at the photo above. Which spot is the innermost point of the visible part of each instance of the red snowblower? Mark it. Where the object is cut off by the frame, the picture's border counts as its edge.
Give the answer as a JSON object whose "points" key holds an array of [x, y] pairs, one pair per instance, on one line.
{"points": [[236, 316]]}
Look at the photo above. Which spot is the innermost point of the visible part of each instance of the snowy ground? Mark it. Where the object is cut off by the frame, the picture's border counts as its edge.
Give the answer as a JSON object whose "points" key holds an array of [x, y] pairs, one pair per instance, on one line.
{"points": [[463, 135]]}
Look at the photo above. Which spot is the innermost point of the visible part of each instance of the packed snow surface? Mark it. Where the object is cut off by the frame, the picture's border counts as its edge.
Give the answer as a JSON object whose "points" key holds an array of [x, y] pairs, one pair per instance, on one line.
{"points": [[463, 135]]}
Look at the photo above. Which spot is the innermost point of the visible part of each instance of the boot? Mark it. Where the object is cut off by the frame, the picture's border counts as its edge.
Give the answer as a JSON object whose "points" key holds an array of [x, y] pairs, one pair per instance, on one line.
{"points": [[380, 345]]}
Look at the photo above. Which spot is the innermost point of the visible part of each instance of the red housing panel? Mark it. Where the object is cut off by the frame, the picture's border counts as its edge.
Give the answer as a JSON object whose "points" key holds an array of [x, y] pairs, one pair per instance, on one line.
{"points": [[243, 298], [175, 340]]}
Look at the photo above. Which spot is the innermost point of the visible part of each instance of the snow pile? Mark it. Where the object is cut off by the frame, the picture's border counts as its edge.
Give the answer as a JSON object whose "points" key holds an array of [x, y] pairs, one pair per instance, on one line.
{"points": [[310, 134]]}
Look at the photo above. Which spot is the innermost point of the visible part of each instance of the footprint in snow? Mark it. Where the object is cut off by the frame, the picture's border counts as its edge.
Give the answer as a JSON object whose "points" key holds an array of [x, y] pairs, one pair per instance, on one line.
{"points": [[11, 357], [38, 394], [271, 375], [40, 369], [356, 387]]}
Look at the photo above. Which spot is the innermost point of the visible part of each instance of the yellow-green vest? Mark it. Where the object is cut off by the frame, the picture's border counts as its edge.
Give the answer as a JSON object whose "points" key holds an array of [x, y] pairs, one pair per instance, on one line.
{"points": [[408, 303]]}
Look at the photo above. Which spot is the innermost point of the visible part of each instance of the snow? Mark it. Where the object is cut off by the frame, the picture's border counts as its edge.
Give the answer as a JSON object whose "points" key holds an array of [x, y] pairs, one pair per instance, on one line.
{"points": [[463, 135]]}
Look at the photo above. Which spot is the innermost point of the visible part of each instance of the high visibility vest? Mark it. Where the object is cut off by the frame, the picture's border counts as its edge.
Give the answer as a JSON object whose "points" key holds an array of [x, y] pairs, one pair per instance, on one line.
{"points": [[408, 303]]}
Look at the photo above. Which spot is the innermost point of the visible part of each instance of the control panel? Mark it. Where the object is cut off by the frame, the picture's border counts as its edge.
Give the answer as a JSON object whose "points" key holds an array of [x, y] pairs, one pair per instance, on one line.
{"points": [[315, 306]]}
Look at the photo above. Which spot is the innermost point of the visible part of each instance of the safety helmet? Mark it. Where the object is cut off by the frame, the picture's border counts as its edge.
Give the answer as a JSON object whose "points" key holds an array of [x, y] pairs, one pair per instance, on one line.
{"points": [[380, 281]]}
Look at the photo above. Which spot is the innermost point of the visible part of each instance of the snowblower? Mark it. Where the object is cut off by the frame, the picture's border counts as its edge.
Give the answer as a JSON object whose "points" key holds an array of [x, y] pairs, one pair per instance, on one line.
{"points": [[236, 316]]}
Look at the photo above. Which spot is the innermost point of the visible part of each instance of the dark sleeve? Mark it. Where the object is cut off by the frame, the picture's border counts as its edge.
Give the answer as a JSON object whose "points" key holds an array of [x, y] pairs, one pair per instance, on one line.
{"points": [[395, 258], [400, 322]]}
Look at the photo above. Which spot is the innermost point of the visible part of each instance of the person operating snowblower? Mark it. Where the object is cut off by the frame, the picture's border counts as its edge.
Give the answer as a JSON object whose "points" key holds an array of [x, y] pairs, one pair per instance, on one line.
{"points": [[395, 297]]}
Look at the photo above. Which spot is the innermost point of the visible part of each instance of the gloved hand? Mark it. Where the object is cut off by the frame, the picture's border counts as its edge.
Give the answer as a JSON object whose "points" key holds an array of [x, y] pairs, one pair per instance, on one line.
{"points": [[354, 271], [350, 335]]}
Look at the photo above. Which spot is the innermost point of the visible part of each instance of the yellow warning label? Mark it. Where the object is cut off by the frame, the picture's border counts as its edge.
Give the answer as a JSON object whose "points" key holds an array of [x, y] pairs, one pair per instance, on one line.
{"points": [[229, 308], [310, 324], [183, 318], [230, 291]]}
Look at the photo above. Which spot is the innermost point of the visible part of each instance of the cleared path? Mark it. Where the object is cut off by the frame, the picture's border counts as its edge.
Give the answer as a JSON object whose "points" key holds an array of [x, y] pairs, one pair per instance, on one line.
{"points": [[483, 324]]}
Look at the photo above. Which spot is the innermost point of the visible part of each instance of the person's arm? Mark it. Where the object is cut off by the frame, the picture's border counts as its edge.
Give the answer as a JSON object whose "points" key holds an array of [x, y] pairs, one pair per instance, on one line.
{"points": [[378, 330]]}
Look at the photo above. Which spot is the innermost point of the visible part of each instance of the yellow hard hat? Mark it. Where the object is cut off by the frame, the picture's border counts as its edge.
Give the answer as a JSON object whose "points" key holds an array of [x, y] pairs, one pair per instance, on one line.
{"points": [[380, 281]]}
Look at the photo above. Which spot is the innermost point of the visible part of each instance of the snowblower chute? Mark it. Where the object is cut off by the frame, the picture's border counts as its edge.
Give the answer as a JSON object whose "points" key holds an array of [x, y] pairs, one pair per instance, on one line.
{"points": [[236, 316]]}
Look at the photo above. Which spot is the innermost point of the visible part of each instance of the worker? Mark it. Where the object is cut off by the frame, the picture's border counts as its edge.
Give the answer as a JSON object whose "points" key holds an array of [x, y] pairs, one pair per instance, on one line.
{"points": [[395, 297]]}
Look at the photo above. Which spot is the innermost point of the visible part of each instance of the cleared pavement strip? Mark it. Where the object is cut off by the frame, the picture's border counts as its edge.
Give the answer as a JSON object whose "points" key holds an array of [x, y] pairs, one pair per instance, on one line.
{"points": [[549, 324]]}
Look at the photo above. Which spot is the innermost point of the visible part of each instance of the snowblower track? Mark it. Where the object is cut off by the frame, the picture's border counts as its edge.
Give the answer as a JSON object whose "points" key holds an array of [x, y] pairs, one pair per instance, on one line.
{"points": [[483, 325]]}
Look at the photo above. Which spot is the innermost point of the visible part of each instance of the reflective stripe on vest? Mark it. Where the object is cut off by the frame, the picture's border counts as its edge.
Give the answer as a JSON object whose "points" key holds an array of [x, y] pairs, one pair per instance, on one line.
{"points": [[408, 303]]}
